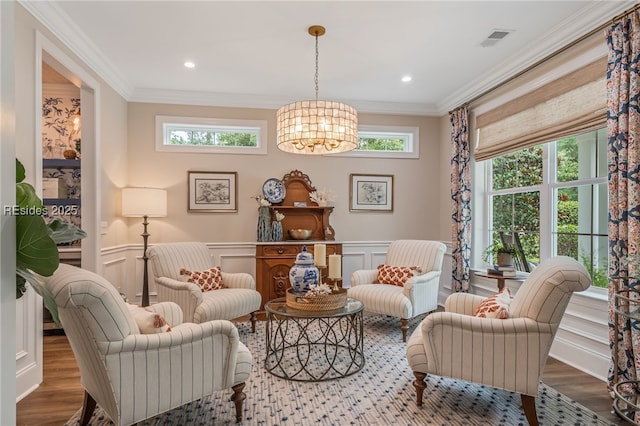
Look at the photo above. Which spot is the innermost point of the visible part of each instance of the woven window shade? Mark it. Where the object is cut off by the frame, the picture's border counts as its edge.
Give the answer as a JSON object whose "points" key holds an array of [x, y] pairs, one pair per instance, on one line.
{"points": [[567, 106]]}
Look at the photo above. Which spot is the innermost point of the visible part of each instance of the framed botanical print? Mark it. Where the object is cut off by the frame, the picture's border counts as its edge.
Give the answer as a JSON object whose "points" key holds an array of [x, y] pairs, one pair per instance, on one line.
{"points": [[213, 192], [371, 193]]}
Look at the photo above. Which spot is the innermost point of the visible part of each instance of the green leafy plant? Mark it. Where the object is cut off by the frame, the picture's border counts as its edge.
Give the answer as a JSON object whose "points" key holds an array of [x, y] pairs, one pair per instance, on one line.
{"points": [[490, 254], [36, 241]]}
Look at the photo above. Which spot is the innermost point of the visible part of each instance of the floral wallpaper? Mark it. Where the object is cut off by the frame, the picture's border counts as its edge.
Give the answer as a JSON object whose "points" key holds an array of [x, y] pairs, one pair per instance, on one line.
{"points": [[59, 134]]}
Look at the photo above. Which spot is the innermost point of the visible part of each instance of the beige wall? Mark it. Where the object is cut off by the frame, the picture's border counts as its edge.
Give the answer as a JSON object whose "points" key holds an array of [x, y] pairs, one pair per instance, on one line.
{"points": [[417, 181], [114, 162]]}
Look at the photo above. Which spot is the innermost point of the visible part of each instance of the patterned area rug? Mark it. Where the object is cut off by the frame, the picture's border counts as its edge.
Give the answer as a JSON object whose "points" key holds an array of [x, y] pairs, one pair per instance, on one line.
{"points": [[380, 394]]}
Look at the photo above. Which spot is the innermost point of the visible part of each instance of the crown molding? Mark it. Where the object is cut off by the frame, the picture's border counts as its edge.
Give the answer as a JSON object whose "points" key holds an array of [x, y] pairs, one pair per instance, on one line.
{"points": [[232, 100], [58, 22], [564, 33]]}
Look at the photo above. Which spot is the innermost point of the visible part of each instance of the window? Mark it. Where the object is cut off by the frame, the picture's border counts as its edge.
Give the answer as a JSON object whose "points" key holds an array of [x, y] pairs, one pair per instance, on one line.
{"points": [[386, 142], [223, 136], [554, 196]]}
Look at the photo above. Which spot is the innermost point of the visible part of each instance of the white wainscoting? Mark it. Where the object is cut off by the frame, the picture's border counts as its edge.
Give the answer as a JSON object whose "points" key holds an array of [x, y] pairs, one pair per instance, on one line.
{"points": [[123, 265], [581, 341], [28, 343]]}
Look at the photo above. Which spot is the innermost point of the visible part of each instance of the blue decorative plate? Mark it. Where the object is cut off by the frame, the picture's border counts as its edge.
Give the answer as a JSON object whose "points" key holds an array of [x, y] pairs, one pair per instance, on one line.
{"points": [[274, 190]]}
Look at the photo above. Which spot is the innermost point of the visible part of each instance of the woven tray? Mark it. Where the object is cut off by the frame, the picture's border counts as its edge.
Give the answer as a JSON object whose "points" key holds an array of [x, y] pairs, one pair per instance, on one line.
{"points": [[323, 302]]}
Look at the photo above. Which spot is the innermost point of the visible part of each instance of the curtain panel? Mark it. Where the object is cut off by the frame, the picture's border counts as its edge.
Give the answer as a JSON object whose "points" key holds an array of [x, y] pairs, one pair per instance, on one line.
{"points": [[623, 127], [572, 104], [460, 199]]}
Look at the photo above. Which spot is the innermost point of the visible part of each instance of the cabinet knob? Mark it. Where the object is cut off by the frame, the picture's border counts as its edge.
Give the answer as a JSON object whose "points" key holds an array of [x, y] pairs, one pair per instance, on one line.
{"points": [[280, 250]]}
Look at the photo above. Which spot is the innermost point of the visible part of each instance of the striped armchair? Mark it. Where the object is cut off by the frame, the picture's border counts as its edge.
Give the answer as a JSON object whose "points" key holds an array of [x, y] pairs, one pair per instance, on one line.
{"points": [[238, 297], [508, 353], [134, 376], [419, 293]]}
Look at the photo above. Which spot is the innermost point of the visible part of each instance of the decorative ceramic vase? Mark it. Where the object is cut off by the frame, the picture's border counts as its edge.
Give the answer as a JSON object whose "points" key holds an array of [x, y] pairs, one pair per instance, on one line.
{"points": [[264, 223], [276, 230], [303, 273]]}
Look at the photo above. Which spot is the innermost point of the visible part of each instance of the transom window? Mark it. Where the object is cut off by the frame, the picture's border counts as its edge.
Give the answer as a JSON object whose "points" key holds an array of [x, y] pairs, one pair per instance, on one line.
{"points": [[554, 197], [189, 134], [386, 142]]}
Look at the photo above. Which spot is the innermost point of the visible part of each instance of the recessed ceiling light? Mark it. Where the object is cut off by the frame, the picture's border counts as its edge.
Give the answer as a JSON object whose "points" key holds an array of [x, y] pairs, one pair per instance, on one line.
{"points": [[189, 64], [406, 79]]}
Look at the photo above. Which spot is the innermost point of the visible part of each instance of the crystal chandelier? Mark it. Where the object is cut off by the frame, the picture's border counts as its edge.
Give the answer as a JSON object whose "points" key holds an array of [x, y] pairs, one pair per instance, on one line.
{"points": [[317, 127]]}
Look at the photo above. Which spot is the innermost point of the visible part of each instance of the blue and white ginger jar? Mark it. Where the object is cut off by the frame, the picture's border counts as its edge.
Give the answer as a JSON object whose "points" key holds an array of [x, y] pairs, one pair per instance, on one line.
{"points": [[303, 273]]}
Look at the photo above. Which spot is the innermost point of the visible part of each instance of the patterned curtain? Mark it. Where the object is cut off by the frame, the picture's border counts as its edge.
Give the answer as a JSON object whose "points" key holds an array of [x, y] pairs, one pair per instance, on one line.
{"points": [[623, 123], [460, 199]]}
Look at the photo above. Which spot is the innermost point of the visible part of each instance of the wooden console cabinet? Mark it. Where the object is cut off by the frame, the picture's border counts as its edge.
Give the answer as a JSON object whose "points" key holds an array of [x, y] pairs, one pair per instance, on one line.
{"points": [[273, 262], [311, 216], [275, 259]]}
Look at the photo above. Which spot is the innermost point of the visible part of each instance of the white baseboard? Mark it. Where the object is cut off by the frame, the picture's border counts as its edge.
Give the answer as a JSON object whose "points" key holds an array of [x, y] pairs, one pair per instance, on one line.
{"points": [[593, 363]]}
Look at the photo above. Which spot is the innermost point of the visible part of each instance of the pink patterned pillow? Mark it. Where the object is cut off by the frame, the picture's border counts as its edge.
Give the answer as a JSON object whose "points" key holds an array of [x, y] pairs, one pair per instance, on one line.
{"points": [[496, 306], [396, 275], [210, 279]]}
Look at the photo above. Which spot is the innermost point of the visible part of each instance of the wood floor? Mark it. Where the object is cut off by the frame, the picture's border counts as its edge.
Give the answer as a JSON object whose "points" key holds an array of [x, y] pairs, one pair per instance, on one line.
{"points": [[60, 394]]}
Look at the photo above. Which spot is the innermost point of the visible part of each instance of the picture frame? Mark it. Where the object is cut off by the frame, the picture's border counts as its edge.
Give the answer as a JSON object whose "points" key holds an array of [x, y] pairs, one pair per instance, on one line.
{"points": [[370, 193], [212, 192]]}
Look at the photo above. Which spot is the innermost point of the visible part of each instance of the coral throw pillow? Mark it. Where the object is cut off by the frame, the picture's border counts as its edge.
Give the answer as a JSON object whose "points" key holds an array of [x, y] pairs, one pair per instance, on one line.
{"points": [[396, 275], [496, 306], [210, 279], [148, 322]]}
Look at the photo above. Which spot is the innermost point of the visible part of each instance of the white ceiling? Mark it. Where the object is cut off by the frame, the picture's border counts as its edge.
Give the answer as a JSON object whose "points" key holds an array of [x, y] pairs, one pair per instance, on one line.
{"points": [[259, 54]]}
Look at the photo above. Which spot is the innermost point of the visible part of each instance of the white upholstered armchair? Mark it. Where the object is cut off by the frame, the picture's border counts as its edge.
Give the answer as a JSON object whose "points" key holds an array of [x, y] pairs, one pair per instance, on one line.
{"points": [[508, 353], [418, 295], [134, 376], [238, 297]]}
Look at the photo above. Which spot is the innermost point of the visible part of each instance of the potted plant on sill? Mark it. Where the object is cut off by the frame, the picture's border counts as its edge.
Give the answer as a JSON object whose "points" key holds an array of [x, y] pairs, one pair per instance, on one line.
{"points": [[36, 241], [498, 254]]}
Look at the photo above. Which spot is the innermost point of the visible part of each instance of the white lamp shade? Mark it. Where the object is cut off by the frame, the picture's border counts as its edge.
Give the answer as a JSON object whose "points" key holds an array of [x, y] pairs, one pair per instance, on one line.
{"points": [[138, 202]]}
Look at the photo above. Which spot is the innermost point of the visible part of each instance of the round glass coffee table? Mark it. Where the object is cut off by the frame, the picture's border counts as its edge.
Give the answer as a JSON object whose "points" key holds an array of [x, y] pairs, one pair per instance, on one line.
{"points": [[314, 346]]}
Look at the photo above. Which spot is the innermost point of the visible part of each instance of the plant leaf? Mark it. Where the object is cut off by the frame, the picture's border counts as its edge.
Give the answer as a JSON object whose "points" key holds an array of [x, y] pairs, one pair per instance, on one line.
{"points": [[61, 231], [26, 197], [20, 173], [35, 250]]}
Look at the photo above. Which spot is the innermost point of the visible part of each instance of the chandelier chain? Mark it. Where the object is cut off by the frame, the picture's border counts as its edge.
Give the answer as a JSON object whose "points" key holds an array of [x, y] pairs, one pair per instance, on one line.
{"points": [[316, 76]]}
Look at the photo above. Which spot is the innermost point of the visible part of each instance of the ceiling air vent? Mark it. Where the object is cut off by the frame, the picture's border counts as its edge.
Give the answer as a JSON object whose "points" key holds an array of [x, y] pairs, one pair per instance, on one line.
{"points": [[495, 37]]}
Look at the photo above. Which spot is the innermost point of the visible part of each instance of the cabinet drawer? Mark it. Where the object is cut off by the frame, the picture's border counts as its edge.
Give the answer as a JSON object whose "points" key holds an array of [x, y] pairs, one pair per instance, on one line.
{"points": [[278, 250]]}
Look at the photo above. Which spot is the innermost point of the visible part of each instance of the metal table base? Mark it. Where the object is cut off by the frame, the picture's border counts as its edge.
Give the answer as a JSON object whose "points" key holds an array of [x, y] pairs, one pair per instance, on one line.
{"points": [[314, 346]]}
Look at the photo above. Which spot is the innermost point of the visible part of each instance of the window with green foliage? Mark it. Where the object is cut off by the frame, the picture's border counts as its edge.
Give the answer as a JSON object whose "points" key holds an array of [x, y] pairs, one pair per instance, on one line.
{"points": [[188, 134], [386, 142], [554, 196]]}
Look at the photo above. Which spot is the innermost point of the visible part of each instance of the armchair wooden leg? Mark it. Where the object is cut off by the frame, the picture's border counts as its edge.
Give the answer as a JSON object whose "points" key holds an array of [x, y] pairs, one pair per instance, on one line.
{"points": [[88, 405], [253, 318], [238, 398], [529, 406], [404, 327], [420, 385]]}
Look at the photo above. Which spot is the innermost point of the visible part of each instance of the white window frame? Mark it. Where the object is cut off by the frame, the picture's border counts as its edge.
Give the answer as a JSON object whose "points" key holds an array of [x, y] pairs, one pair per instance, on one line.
{"points": [[548, 208], [164, 122], [410, 134]]}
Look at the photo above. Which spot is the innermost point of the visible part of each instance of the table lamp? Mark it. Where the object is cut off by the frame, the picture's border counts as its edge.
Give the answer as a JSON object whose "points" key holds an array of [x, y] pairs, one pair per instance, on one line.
{"points": [[145, 203]]}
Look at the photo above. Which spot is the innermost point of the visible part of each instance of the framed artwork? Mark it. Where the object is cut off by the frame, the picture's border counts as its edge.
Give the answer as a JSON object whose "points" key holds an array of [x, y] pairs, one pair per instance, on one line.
{"points": [[213, 192], [371, 193]]}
